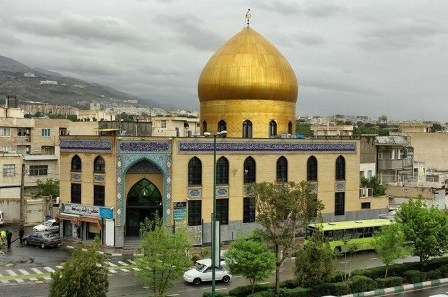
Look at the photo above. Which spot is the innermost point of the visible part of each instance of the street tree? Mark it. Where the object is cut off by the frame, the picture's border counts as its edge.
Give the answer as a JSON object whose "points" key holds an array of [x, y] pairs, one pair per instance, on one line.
{"points": [[425, 229], [165, 255], [284, 209], [47, 187], [390, 245], [315, 262], [251, 258], [84, 274]]}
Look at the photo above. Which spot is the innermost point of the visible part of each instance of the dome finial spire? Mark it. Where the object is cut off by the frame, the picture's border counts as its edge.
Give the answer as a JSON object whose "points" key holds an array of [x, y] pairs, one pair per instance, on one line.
{"points": [[248, 16]]}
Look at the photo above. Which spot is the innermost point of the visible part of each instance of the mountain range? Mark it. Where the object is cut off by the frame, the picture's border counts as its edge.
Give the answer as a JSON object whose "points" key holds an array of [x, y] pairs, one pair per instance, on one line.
{"points": [[38, 85]]}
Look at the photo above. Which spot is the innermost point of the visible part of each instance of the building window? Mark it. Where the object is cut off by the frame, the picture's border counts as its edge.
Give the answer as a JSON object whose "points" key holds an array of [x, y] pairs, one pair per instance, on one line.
{"points": [[222, 211], [47, 150], [23, 131], [99, 165], [194, 212], [249, 170], [204, 126], [369, 173], [339, 204], [365, 205], [311, 169], [46, 132], [340, 168], [247, 129], [5, 131], [249, 210], [222, 126], [272, 128], [290, 128], [98, 195], [5, 149], [38, 170], [222, 171], [75, 193], [380, 155], [9, 170], [163, 124], [195, 172], [76, 163], [282, 169]]}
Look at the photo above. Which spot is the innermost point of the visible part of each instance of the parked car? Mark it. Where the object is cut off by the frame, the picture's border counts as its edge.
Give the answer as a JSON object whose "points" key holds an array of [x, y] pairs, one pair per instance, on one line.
{"points": [[50, 225], [203, 272], [42, 239]]}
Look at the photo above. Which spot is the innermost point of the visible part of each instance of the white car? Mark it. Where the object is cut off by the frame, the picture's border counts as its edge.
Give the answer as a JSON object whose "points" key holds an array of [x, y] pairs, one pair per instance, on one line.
{"points": [[203, 273], [50, 225]]}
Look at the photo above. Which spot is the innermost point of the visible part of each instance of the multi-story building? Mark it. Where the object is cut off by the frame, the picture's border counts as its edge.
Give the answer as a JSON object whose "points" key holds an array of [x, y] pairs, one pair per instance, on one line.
{"points": [[248, 93]]}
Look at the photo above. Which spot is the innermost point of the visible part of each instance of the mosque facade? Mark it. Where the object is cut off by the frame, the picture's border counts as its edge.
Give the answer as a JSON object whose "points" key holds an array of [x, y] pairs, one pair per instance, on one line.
{"points": [[248, 94]]}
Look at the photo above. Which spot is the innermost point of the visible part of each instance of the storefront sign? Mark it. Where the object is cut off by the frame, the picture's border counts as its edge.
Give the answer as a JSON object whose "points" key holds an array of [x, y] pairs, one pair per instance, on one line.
{"points": [[106, 213], [80, 209]]}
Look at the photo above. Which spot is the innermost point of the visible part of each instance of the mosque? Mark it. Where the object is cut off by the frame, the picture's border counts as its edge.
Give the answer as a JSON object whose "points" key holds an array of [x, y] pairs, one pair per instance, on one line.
{"points": [[248, 94]]}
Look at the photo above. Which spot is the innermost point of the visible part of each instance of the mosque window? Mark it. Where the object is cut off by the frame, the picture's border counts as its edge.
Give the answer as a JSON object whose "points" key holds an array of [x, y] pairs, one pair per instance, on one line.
{"points": [[311, 169], [222, 126], [194, 212], [222, 211], [75, 193], [247, 129], [98, 195], [99, 165], [76, 163], [339, 204], [340, 168], [222, 171], [249, 210], [272, 128], [249, 170], [194, 172], [204, 126], [282, 169], [290, 127]]}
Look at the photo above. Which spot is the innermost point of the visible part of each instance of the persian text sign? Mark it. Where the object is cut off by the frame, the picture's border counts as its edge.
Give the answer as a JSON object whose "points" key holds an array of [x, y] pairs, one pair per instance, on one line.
{"points": [[80, 209]]}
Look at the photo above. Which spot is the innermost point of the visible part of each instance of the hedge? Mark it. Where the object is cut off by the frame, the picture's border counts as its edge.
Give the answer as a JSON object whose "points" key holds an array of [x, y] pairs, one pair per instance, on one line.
{"points": [[217, 294], [360, 283], [412, 276], [244, 291], [389, 282], [336, 289]]}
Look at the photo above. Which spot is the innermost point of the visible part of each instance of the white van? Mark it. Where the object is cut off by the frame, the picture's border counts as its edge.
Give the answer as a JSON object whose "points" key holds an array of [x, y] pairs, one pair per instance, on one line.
{"points": [[2, 218]]}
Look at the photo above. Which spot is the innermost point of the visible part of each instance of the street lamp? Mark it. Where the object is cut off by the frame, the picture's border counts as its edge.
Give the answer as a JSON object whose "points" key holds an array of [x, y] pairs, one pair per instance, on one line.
{"points": [[214, 233]]}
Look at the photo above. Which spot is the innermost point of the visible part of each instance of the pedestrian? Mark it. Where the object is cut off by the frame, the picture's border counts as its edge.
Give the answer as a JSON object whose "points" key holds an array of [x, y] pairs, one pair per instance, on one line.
{"points": [[21, 233], [8, 238]]}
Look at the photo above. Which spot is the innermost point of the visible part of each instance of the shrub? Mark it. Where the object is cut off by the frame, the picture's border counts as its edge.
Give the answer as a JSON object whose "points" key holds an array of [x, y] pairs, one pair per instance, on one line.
{"points": [[244, 291], [389, 282], [360, 283], [433, 274], [289, 284], [268, 293], [412, 276], [296, 292], [217, 294], [336, 289]]}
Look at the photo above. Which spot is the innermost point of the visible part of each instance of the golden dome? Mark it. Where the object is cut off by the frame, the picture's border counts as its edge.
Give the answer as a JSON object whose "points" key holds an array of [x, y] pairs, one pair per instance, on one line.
{"points": [[248, 67]]}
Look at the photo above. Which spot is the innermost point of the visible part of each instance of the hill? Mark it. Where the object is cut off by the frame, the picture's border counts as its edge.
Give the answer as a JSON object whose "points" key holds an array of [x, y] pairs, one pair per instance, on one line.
{"points": [[67, 91]]}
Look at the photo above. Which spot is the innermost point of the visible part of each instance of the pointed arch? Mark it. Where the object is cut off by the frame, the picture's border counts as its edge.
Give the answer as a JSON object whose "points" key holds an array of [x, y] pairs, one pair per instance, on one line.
{"points": [[282, 169], [247, 129], [195, 172], [222, 126], [99, 165], [311, 169], [249, 170], [289, 127], [222, 171], [76, 164], [340, 168], [272, 128], [204, 126]]}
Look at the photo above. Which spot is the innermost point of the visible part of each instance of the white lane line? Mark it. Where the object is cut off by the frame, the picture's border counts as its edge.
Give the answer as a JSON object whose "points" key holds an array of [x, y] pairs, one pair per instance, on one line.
{"points": [[23, 271], [136, 269], [36, 270], [122, 263], [49, 269], [131, 261], [110, 264], [12, 273], [113, 271], [4, 281], [59, 266]]}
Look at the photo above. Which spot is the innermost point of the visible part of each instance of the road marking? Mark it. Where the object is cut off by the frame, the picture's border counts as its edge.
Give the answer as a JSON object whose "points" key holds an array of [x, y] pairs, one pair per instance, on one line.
{"points": [[111, 264], [59, 266], [4, 281], [136, 269], [36, 270], [113, 271], [23, 271], [12, 273], [131, 261], [125, 270], [123, 263], [49, 269]]}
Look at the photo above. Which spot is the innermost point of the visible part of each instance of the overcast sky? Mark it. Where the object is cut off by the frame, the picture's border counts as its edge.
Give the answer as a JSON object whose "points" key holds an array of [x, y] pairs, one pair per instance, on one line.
{"points": [[353, 57]]}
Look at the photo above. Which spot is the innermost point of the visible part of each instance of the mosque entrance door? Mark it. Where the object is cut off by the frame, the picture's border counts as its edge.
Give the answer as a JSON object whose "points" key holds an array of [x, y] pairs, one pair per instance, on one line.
{"points": [[144, 201]]}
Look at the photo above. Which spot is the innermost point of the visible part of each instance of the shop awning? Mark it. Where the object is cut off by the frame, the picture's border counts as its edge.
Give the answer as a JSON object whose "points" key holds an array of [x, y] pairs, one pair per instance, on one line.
{"points": [[91, 220], [77, 219]]}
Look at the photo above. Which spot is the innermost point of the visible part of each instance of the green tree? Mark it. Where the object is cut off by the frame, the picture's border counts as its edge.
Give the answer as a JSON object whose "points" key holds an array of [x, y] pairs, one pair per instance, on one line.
{"points": [[390, 245], [425, 229], [304, 129], [315, 264], [374, 183], [165, 255], [84, 274], [284, 209], [250, 258], [48, 187]]}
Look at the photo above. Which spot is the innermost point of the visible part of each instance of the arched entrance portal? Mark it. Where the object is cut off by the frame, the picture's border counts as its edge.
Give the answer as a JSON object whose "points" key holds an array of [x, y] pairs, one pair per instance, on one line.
{"points": [[143, 201]]}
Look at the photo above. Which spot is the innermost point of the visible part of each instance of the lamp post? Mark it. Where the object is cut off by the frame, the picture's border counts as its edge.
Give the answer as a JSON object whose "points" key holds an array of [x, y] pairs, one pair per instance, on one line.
{"points": [[213, 216]]}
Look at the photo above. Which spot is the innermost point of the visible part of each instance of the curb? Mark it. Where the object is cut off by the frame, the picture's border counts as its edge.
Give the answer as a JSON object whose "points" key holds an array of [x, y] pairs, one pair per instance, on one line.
{"points": [[399, 289], [111, 254]]}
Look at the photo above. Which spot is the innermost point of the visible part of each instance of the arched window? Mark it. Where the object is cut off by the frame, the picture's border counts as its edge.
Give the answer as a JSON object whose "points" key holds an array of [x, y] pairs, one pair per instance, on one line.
{"points": [[311, 169], [76, 163], [222, 126], [222, 171], [99, 165], [340, 168], [290, 128], [247, 129], [194, 172], [272, 128], [204, 126], [249, 170], [282, 169]]}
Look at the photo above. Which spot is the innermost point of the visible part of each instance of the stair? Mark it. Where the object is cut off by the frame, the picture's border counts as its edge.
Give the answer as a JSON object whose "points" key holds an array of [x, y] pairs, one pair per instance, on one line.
{"points": [[131, 243]]}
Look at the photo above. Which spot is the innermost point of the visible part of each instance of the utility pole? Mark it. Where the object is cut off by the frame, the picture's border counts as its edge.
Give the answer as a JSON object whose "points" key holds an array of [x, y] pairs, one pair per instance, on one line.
{"points": [[22, 196]]}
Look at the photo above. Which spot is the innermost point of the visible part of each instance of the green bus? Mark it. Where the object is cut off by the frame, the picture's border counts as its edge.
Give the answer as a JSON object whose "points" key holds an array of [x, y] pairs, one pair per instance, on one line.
{"points": [[349, 235]]}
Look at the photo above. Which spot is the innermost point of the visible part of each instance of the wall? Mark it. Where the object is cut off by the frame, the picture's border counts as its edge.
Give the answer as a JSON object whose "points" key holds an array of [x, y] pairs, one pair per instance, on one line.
{"points": [[431, 148]]}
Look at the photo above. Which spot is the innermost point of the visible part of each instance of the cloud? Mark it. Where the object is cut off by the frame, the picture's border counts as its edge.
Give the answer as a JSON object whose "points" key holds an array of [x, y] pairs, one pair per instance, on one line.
{"points": [[82, 28], [321, 9], [302, 38]]}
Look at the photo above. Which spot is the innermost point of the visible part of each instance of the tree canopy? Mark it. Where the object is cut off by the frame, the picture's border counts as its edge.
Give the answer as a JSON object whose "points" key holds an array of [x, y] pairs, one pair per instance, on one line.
{"points": [[48, 187]]}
